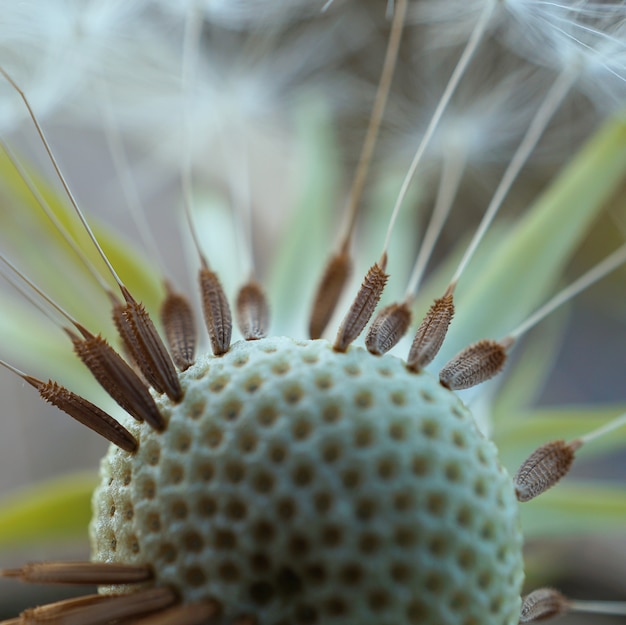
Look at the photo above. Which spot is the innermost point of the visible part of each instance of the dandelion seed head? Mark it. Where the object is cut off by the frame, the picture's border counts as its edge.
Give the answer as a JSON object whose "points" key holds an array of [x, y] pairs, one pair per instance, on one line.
{"points": [[294, 480], [56, 55], [297, 481], [583, 38]]}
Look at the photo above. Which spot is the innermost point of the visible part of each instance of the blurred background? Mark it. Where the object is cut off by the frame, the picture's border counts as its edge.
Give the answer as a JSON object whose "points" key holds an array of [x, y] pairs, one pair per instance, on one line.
{"points": [[253, 96]]}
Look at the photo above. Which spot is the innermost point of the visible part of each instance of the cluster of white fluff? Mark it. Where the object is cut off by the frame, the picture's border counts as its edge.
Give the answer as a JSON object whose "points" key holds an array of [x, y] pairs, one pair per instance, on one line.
{"points": [[221, 88], [253, 62]]}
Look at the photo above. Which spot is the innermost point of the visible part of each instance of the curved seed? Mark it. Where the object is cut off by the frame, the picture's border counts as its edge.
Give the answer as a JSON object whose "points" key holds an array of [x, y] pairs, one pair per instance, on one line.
{"points": [[362, 307], [217, 315], [389, 326], [329, 290], [252, 311], [475, 364], [431, 333]]}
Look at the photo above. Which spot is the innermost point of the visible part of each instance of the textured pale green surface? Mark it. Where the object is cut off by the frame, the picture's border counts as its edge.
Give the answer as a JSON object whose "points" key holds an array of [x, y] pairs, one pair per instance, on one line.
{"points": [[303, 485]]}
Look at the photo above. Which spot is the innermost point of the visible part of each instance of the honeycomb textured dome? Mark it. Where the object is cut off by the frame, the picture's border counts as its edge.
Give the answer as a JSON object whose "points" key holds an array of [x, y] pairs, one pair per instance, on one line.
{"points": [[307, 486]]}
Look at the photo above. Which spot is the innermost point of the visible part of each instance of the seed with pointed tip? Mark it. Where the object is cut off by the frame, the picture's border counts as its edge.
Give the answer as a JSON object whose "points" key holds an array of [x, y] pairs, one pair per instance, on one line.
{"points": [[217, 315], [180, 329], [542, 604], [99, 573], [543, 469], [431, 333], [389, 326], [85, 412], [61, 609], [252, 311], [362, 307], [100, 610], [117, 378], [475, 364], [329, 290], [199, 613], [148, 349]]}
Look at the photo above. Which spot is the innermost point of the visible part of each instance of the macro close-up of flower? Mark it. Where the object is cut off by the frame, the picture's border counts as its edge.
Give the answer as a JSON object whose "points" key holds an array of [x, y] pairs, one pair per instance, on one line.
{"points": [[312, 312]]}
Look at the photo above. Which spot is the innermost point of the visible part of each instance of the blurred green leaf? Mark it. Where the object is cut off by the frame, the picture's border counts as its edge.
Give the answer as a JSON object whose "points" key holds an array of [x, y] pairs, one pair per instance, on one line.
{"points": [[575, 509], [307, 243], [42, 253], [405, 239], [137, 273], [531, 258], [56, 509], [526, 376], [132, 266], [26, 336], [520, 435]]}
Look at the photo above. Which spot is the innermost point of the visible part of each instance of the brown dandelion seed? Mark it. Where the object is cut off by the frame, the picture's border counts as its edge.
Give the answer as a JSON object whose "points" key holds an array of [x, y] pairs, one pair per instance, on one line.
{"points": [[98, 573], [180, 329], [431, 333], [543, 604], [339, 267], [363, 305], [117, 378], [252, 311], [85, 412], [544, 468], [102, 609], [329, 290], [148, 350], [475, 364], [389, 326], [55, 612], [217, 314], [199, 613], [117, 314]]}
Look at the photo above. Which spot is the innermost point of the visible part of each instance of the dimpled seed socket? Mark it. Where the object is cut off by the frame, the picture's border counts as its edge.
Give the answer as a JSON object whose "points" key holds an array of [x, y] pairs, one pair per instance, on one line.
{"points": [[307, 486]]}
